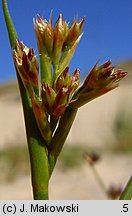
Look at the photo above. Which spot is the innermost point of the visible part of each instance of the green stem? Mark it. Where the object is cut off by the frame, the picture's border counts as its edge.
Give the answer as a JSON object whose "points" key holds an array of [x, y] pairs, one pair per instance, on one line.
{"points": [[38, 157], [45, 68], [99, 179], [60, 136], [37, 151], [39, 170], [11, 30], [63, 129], [127, 192]]}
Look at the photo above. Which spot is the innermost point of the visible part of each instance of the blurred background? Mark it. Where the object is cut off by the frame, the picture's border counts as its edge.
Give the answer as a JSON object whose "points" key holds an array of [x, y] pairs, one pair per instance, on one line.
{"points": [[102, 127]]}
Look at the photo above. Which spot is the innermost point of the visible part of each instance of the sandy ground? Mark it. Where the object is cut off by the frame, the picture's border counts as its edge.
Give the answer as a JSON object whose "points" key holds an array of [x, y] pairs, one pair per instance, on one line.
{"points": [[91, 127]]}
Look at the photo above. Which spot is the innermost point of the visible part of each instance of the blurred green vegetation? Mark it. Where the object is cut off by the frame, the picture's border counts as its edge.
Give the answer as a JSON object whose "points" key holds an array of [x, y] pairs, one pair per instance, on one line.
{"points": [[14, 161], [72, 156], [122, 131]]}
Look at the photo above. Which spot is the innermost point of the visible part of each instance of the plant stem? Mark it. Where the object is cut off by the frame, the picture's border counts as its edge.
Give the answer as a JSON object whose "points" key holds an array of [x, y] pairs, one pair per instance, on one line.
{"points": [[63, 129], [39, 170], [45, 68], [99, 179], [127, 192], [60, 136], [37, 151], [38, 157]]}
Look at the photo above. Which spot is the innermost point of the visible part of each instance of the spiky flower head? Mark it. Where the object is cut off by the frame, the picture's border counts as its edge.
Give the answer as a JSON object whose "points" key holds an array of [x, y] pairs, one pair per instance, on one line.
{"points": [[99, 81], [27, 65], [44, 33], [58, 89], [57, 43], [57, 98]]}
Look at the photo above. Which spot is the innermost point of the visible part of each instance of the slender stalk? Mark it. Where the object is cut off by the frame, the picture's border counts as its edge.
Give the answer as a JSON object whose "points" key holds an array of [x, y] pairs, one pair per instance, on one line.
{"points": [[99, 179], [37, 151], [38, 157], [45, 68], [39, 170], [60, 136], [63, 129]]}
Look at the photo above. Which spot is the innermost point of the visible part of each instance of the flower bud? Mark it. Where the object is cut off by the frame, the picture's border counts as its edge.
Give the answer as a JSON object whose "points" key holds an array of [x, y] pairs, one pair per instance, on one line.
{"points": [[73, 37], [67, 56], [61, 102], [99, 81], [75, 80], [60, 33], [73, 33], [62, 80], [56, 45], [48, 97], [91, 158], [54, 103], [26, 64], [65, 80], [41, 119], [44, 34]]}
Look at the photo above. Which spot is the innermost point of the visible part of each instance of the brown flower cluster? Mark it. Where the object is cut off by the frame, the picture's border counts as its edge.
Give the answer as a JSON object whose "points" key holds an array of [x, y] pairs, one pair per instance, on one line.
{"points": [[58, 89]]}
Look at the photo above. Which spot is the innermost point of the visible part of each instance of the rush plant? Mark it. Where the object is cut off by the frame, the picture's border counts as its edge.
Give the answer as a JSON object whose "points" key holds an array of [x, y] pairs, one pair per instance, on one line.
{"points": [[50, 95]]}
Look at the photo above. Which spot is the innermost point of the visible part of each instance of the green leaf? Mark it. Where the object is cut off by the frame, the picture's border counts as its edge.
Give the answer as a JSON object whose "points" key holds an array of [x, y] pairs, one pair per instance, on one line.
{"points": [[127, 192], [36, 145], [10, 26]]}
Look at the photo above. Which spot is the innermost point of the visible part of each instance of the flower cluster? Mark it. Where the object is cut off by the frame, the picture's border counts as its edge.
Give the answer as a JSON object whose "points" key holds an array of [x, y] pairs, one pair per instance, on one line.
{"points": [[58, 89], [99, 81], [57, 44], [27, 65], [56, 99]]}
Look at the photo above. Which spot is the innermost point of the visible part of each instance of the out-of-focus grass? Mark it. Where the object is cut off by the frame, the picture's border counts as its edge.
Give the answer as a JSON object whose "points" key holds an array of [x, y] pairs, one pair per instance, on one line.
{"points": [[122, 131], [14, 161], [72, 156]]}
